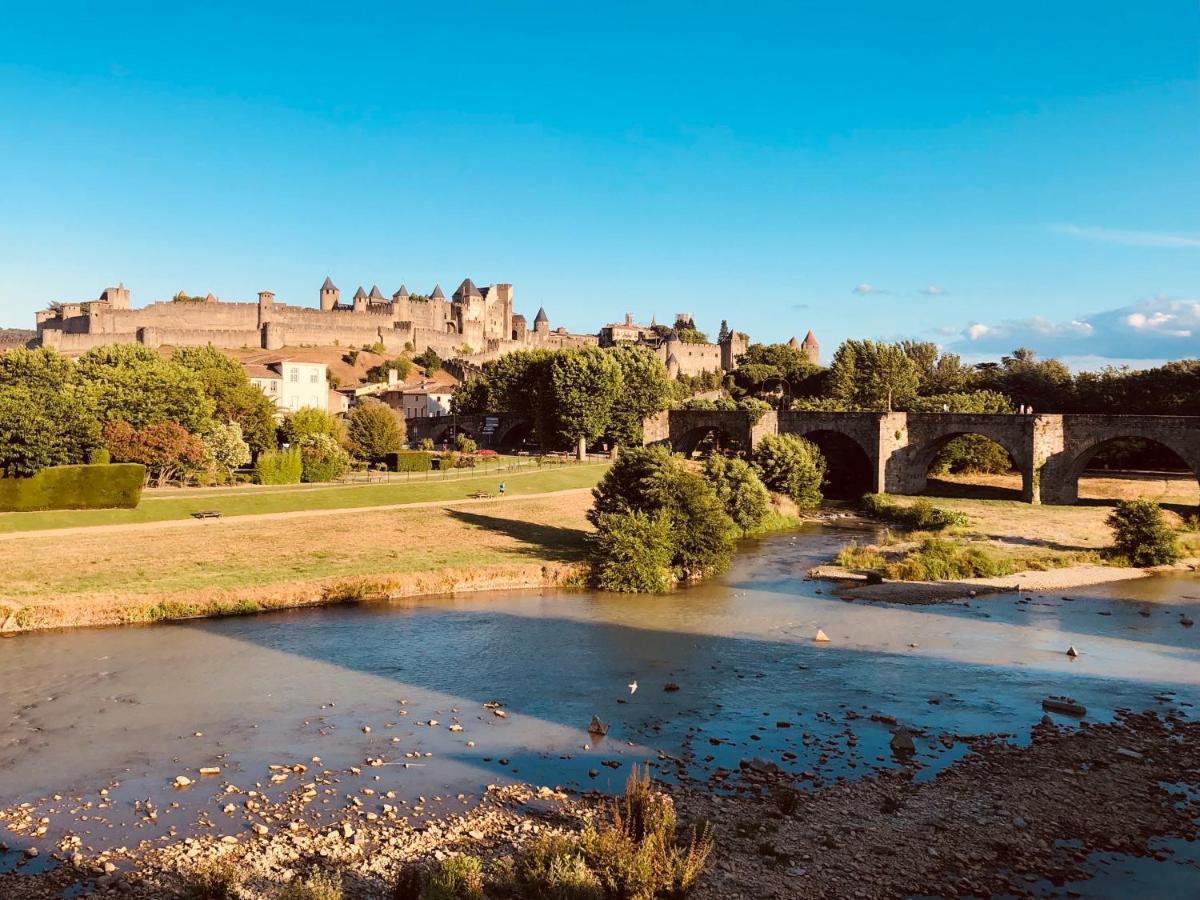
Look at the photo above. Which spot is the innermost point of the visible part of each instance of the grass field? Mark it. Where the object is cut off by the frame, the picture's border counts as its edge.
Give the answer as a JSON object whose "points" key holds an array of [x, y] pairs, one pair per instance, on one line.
{"points": [[251, 500], [232, 565]]}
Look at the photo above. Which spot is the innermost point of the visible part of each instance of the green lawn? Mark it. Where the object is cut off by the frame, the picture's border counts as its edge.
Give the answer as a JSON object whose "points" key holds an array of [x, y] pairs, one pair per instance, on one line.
{"points": [[251, 501]]}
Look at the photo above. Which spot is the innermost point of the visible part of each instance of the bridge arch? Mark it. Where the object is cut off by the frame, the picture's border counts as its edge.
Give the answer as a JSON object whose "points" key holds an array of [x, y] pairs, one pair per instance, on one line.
{"points": [[704, 440], [1065, 488], [514, 435], [849, 472]]}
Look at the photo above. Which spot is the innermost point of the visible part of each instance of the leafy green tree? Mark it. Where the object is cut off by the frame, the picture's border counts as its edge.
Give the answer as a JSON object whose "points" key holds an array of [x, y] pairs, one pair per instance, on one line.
{"points": [[645, 389], [631, 552], [472, 396], [41, 428], [792, 466], [685, 329], [1141, 536], [374, 430], [873, 376], [763, 367], [650, 481], [308, 421], [585, 383], [1044, 385], [42, 369], [429, 360], [401, 365], [132, 383], [234, 398], [740, 490]]}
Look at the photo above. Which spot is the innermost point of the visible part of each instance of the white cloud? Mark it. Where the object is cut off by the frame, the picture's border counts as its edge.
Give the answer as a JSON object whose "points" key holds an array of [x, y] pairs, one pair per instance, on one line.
{"points": [[1154, 329], [865, 289], [933, 290], [1128, 238]]}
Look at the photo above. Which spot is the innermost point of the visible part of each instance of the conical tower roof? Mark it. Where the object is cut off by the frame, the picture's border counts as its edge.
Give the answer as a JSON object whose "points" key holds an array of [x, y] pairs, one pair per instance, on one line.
{"points": [[328, 285], [541, 316], [467, 289], [360, 294], [793, 343], [401, 294], [810, 339], [375, 294], [437, 293]]}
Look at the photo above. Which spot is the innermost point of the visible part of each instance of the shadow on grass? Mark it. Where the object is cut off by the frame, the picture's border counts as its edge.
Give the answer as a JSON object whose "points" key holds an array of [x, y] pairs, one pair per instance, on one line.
{"points": [[960, 490], [545, 541]]}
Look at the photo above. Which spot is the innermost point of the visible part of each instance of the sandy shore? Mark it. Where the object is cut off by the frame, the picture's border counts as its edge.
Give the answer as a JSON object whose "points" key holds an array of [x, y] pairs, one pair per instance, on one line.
{"points": [[854, 586]]}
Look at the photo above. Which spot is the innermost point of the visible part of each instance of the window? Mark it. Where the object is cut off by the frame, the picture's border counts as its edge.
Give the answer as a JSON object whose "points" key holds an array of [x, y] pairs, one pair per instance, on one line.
{"points": [[313, 378], [295, 373]]}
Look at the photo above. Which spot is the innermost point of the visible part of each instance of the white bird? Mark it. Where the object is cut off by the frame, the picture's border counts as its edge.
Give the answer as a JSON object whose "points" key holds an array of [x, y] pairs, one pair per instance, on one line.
{"points": [[633, 687]]}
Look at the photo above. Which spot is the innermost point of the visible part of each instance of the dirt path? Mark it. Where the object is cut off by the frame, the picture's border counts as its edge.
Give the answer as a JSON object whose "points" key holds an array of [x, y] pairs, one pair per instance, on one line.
{"points": [[267, 517]]}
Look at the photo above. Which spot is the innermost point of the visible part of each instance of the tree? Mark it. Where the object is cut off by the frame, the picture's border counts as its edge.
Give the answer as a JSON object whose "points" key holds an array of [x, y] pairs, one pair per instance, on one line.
{"points": [[167, 449], [792, 466], [401, 365], [740, 490], [41, 428], [429, 360], [133, 384], [308, 421], [42, 369], [1141, 536], [225, 449], [873, 376], [645, 389], [650, 481], [585, 382], [321, 458], [234, 398], [631, 552], [464, 443], [374, 430], [471, 396]]}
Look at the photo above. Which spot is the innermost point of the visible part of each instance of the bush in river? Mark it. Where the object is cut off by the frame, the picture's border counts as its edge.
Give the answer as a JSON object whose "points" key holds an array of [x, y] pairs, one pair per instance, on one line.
{"points": [[1140, 535], [941, 560], [921, 515], [739, 488]]}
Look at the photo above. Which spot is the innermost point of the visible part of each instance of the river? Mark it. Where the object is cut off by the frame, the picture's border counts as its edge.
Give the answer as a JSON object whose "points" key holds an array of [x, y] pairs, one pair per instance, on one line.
{"points": [[126, 710]]}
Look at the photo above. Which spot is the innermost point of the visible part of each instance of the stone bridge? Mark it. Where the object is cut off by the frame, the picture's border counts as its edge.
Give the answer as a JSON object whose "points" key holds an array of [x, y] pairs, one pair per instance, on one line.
{"points": [[491, 431], [893, 451]]}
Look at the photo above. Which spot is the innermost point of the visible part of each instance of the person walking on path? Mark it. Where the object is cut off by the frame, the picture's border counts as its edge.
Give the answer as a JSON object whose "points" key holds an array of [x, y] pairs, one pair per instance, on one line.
{"points": [[502, 489]]}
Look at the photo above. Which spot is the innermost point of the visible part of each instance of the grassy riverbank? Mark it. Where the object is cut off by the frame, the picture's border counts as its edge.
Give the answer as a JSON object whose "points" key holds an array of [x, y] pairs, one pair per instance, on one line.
{"points": [[168, 505], [1007, 542], [316, 555]]}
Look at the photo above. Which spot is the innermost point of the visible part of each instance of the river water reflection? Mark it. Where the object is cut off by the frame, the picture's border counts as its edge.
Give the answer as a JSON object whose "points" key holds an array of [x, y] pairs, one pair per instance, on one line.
{"points": [[82, 709]]}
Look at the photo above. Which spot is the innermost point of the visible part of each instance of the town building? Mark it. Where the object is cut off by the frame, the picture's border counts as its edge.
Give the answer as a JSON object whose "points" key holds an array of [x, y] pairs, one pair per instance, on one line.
{"points": [[292, 385]]}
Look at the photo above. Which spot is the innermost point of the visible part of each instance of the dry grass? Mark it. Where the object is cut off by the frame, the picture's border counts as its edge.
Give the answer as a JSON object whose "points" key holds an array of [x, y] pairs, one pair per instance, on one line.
{"points": [[231, 566]]}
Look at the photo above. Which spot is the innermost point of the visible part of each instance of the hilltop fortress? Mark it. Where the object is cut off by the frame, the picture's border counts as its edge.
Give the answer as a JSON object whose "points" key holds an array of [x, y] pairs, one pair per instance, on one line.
{"points": [[473, 325]]}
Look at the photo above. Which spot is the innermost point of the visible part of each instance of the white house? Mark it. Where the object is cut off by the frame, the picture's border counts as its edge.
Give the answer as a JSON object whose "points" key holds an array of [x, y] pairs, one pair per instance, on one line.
{"points": [[292, 385], [420, 401]]}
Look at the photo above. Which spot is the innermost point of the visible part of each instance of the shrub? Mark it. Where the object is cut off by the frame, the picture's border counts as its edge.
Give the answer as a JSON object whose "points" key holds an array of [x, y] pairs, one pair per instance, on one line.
{"points": [[318, 886], [309, 421], [426, 444], [168, 450], [224, 449], [793, 466], [322, 458], [856, 556], [280, 466], [454, 878], [941, 560], [632, 551], [75, 487], [215, 879], [739, 488], [410, 461], [755, 407], [99, 457], [463, 443], [1140, 535], [921, 515]]}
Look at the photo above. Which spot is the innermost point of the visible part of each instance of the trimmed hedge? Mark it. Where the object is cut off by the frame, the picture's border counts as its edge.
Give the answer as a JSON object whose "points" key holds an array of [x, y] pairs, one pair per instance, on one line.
{"points": [[117, 486], [410, 461]]}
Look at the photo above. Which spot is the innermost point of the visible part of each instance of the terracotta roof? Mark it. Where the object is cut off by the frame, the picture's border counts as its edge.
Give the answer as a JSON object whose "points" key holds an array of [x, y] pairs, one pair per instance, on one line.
{"points": [[794, 344], [810, 338], [257, 370]]}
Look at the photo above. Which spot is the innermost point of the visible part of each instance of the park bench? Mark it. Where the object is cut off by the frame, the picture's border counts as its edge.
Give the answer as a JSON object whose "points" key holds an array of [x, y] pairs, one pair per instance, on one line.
{"points": [[207, 514], [480, 495]]}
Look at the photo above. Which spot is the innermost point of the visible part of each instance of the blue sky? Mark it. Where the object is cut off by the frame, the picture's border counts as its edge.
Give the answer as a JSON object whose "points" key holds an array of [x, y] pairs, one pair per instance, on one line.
{"points": [[984, 175]]}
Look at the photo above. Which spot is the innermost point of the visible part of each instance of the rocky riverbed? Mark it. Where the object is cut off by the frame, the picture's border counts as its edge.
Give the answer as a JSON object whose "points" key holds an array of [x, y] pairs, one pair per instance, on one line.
{"points": [[1001, 820]]}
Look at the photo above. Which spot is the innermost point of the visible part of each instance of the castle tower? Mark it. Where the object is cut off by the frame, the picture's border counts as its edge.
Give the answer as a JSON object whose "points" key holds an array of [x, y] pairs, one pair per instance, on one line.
{"points": [[266, 307], [116, 297], [376, 296], [360, 300], [330, 295], [541, 322], [811, 348]]}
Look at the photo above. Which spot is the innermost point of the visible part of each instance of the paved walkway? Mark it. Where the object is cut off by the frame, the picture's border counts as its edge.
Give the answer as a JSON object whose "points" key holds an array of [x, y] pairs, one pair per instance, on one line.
{"points": [[56, 533]]}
